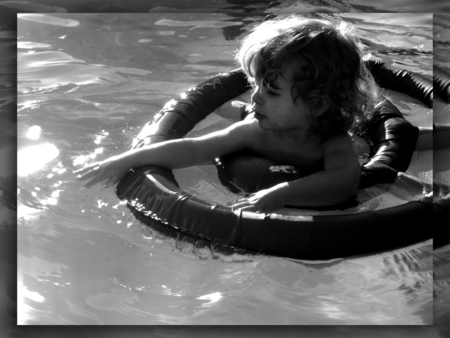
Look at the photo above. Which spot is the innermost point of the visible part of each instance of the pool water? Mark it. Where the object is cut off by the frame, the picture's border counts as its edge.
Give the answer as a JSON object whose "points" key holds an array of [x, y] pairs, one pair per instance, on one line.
{"points": [[441, 40], [87, 83]]}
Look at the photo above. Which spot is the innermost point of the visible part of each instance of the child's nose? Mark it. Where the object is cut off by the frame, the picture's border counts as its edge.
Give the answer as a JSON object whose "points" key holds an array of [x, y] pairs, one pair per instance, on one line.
{"points": [[256, 96]]}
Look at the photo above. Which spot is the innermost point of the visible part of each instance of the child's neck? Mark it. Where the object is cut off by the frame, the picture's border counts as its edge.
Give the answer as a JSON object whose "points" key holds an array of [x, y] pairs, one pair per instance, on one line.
{"points": [[296, 136]]}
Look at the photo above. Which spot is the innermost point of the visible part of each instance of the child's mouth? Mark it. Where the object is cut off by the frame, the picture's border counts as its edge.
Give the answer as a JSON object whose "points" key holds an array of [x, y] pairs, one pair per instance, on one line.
{"points": [[258, 115]]}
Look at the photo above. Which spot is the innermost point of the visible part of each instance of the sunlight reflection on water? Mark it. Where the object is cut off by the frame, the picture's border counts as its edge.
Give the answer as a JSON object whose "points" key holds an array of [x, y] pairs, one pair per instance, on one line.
{"points": [[34, 158]]}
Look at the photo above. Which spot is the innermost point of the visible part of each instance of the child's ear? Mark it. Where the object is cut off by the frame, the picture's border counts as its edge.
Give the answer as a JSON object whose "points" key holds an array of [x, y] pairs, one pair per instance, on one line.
{"points": [[323, 105], [317, 103]]}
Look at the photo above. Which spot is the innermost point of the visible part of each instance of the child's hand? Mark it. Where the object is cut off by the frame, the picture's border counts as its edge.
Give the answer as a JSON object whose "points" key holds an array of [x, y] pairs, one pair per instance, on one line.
{"points": [[245, 109], [262, 201], [109, 171]]}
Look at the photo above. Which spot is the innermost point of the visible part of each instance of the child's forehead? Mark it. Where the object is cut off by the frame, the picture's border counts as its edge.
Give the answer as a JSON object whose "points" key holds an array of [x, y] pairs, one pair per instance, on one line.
{"points": [[286, 73], [280, 80], [285, 67]]}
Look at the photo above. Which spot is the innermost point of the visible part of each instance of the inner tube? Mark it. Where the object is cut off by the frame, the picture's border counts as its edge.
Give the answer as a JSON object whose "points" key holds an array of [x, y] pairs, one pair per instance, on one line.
{"points": [[441, 81], [441, 141], [153, 195]]}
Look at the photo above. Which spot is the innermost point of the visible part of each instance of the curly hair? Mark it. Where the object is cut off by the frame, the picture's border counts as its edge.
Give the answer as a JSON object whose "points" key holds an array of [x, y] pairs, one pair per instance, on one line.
{"points": [[322, 60]]}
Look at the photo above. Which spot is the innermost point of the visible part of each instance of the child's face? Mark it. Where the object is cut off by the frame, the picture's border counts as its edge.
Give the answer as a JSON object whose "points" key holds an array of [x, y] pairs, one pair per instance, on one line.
{"points": [[275, 109]]}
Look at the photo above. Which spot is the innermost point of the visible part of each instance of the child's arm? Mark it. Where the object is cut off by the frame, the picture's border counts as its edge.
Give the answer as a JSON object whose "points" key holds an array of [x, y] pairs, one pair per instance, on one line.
{"points": [[335, 184], [171, 154]]}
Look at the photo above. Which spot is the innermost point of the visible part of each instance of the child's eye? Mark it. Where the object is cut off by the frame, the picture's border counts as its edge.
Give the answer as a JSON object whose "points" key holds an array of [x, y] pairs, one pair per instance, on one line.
{"points": [[269, 89], [266, 85]]}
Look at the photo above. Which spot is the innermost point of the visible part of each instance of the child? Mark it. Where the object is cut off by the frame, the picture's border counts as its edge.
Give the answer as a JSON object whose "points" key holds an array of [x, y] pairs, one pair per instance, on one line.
{"points": [[311, 90]]}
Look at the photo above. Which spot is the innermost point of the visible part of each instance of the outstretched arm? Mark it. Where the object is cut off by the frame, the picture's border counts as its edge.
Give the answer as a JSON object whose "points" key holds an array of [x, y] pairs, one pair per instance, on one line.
{"points": [[335, 184], [171, 154]]}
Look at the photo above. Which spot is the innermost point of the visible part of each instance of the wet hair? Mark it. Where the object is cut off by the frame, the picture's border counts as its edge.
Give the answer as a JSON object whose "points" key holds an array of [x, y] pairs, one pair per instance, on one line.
{"points": [[324, 63]]}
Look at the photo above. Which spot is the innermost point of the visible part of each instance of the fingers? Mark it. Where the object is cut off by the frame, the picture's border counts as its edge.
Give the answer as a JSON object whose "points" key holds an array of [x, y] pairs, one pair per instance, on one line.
{"points": [[253, 203], [244, 108], [110, 182], [86, 168], [86, 174], [87, 171], [251, 208], [246, 204], [96, 173], [97, 179], [93, 172], [240, 203], [238, 104]]}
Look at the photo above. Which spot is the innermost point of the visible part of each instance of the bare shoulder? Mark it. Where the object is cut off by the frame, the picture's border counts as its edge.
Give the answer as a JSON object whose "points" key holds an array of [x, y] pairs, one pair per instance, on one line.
{"points": [[236, 137], [338, 151], [237, 129], [246, 131], [339, 141]]}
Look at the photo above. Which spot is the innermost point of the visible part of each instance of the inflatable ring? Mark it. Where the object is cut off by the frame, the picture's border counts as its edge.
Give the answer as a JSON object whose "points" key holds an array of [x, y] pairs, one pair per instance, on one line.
{"points": [[153, 195], [441, 81], [441, 141]]}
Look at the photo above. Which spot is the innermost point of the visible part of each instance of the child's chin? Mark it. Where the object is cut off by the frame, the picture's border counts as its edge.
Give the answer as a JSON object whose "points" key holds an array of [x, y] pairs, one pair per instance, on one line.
{"points": [[264, 125]]}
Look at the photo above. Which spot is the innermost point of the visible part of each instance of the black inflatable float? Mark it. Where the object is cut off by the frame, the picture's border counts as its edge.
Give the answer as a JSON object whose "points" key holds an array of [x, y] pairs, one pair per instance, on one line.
{"points": [[441, 81], [441, 140], [153, 195]]}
